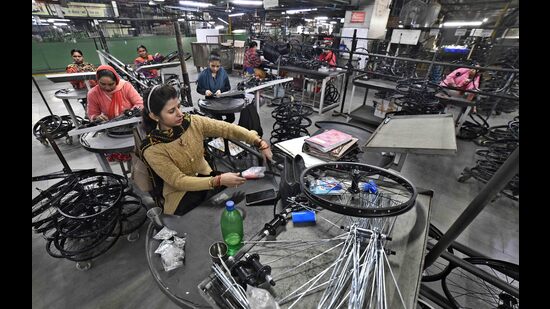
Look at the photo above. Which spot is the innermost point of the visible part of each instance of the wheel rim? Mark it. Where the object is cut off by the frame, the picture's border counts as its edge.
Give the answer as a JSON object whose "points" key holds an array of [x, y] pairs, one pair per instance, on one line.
{"points": [[352, 191]]}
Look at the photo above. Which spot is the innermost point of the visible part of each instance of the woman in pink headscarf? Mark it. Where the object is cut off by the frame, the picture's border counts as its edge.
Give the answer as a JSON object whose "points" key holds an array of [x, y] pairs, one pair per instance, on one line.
{"points": [[112, 97], [463, 78]]}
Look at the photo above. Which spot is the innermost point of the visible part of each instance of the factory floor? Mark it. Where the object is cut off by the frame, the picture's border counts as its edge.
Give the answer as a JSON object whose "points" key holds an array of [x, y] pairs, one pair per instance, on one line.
{"points": [[121, 278]]}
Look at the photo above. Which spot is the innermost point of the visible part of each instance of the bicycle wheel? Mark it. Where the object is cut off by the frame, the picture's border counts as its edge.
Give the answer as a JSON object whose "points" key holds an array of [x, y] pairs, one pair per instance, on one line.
{"points": [[440, 267], [357, 189], [465, 290], [93, 195]]}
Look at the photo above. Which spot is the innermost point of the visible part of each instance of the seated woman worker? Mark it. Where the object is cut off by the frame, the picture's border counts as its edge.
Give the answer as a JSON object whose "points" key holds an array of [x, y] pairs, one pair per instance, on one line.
{"points": [[112, 97], [173, 150]]}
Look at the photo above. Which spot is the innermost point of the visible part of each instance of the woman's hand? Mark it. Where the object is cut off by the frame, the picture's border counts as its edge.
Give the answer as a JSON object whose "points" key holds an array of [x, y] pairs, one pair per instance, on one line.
{"points": [[101, 117], [208, 93], [231, 180], [218, 93], [266, 151]]}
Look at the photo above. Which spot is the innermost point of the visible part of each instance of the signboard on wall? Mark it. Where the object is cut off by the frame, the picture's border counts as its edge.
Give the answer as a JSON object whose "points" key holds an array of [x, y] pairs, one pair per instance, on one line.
{"points": [[434, 32], [484, 33], [460, 32], [405, 36], [86, 9], [271, 4], [358, 17], [39, 8], [207, 35]]}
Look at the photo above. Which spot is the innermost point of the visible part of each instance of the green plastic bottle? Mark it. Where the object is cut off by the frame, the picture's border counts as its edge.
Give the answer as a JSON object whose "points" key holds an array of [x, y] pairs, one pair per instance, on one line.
{"points": [[232, 228]]}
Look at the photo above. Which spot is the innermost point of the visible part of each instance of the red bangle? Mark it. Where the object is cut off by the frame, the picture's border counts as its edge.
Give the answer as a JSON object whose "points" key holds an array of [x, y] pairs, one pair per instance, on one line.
{"points": [[219, 181], [263, 147]]}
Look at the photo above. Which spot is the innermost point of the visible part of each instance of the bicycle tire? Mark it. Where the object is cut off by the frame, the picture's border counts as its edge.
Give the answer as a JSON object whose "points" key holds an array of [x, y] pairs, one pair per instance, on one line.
{"points": [[87, 202], [388, 203], [100, 249], [436, 234], [505, 268]]}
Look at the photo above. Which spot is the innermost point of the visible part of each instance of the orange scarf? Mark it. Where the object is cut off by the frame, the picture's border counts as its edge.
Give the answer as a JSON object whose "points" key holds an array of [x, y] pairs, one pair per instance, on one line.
{"points": [[116, 99]]}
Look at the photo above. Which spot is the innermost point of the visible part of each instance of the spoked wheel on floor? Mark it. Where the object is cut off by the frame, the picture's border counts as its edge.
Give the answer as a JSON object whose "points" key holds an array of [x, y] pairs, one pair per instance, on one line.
{"points": [[465, 290], [440, 267]]}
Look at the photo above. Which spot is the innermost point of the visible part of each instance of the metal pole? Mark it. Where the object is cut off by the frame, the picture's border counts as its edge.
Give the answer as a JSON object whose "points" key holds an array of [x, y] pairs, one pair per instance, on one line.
{"points": [[349, 66], [40, 91], [102, 40], [66, 167], [504, 174], [433, 59], [184, 74]]}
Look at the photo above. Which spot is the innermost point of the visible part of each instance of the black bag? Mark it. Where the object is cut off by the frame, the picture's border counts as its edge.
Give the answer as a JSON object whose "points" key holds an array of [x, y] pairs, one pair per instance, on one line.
{"points": [[250, 119]]}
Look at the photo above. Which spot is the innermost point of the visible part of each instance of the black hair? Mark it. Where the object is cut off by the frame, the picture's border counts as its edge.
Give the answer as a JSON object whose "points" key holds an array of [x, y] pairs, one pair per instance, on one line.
{"points": [[252, 44], [159, 97], [141, 46], [108, 73], [76, 50], [214, 56]]}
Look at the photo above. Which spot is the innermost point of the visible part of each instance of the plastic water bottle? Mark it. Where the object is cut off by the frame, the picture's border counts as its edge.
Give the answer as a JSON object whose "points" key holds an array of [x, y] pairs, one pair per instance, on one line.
{"points": [[232, 228]]}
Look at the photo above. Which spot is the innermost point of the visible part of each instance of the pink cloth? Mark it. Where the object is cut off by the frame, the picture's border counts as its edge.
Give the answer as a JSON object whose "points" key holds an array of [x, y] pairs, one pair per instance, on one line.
{"points": [[99, 101], [459, 79]]}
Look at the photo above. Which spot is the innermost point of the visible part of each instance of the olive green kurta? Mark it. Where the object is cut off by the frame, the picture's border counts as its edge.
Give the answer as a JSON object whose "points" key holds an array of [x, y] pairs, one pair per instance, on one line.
{"points": [[179, 162]]}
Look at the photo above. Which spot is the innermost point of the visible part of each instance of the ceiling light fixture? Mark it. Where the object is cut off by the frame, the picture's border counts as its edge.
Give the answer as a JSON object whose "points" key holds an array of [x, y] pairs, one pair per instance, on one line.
{"points": [[51, 20], [219, 27], [223, 21], [462, 23], [300, 10], [236, 14], [197, 4], [239, 31], [248, 2], [321, 17]]}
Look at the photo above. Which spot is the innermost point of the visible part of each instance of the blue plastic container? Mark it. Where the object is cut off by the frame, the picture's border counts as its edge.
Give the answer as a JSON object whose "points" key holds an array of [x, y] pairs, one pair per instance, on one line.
{"points": [[303, 216]]}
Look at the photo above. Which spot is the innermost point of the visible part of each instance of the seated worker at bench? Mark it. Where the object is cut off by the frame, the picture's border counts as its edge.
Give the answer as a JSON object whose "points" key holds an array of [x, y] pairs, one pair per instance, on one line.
{"points": [[252, 63], [213, 81], [173, 149], [111, 98], [144, 59], [463, 78], [79, 66]]}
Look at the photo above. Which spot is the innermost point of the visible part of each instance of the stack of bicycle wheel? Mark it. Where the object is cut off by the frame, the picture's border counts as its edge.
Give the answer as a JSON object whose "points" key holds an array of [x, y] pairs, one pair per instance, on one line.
{"points": [[418, 97], [500, 141], [56, 127], [291, 120], [83, 215]]}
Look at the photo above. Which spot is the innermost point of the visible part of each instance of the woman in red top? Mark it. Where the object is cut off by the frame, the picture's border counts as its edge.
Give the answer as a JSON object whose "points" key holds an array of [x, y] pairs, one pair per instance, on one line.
{"points": [[79, 66], [251, 59], [145, 59], [112, 96], [328, 55]]}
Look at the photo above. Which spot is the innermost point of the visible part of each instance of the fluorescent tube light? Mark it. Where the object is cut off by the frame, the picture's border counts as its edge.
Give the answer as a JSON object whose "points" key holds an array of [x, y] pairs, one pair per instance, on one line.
{"points": [[197, 4], [462, 23], [248, 2], [300, 10]]}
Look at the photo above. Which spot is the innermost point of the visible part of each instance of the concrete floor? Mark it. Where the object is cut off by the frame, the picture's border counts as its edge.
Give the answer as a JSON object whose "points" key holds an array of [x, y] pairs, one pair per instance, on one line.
{"points": [[121, 278]]}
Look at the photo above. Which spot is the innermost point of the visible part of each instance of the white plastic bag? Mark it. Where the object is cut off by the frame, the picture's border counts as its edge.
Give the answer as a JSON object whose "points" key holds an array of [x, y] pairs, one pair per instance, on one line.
{"points": [[260, 298], [254, 172]]}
